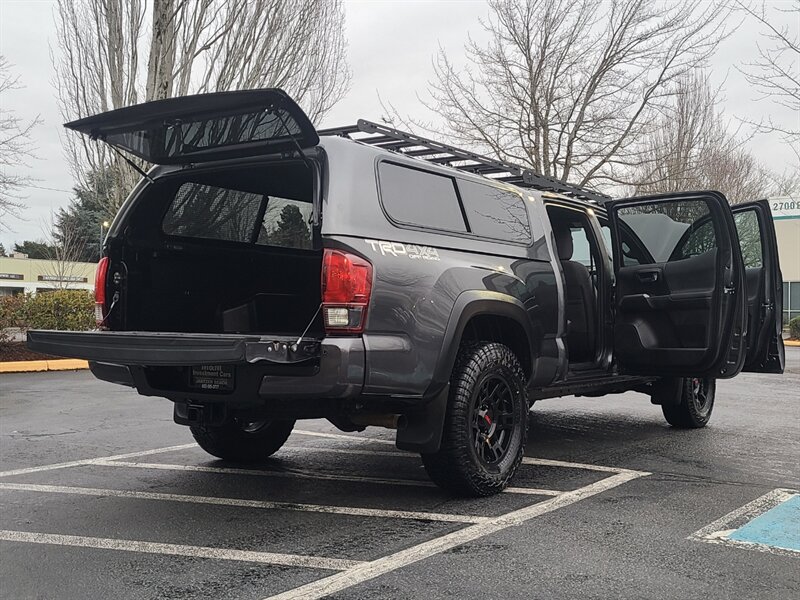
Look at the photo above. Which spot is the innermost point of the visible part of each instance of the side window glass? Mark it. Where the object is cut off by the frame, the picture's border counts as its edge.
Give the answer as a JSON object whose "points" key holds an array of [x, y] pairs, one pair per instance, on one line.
{"points": [[698, 240], [581, 251], [495, 213], [630, 254], [286, 224], [606, 231], [416, 197], [671, 230], [749, 238]]}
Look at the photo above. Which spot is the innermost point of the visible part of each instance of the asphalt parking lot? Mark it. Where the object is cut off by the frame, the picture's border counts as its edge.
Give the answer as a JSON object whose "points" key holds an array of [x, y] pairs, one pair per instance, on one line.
{"points": [[102, 496]]}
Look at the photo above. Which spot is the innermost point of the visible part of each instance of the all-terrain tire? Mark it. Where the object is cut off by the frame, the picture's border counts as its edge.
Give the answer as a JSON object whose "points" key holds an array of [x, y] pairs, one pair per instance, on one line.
{"points": [[695, 406], [486, 422], [240, 441]]}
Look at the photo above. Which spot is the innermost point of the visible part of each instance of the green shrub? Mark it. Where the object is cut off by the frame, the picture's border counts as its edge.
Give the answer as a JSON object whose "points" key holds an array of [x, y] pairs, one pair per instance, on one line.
{"points": [[794, 328], [11, 315], [71, 310], [12, 311]]}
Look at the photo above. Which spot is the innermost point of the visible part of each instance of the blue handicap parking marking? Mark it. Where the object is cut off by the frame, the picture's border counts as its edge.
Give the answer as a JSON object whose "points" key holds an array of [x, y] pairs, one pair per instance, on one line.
{"points": [[778, 527]]}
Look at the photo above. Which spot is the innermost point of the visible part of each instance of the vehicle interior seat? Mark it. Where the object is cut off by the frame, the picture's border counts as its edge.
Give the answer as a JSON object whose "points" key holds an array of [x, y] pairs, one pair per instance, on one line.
{"points": [[580, 298]]}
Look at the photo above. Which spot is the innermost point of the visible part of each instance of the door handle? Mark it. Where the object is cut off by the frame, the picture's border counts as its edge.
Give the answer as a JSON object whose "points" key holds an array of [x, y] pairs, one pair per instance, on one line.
{"points": [[648, 276]]}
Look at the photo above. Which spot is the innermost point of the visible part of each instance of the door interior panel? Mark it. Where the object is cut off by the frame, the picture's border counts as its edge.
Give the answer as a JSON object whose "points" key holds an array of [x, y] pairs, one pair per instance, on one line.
{"points": [[756, 232], [682, 309], [754, 276], [665, 311]]}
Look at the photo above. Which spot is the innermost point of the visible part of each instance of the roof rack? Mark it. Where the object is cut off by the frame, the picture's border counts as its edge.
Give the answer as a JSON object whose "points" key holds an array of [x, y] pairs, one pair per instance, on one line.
{"points": [[442, 154]]}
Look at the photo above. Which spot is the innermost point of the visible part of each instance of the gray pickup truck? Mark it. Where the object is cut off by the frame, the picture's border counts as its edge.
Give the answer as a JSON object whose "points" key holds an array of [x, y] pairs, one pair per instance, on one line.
{"points": [[264, 272]]}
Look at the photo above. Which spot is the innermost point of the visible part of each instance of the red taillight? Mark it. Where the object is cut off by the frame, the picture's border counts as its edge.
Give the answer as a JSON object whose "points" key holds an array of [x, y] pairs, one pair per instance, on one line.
{"points": [[346, 286], [100, 291]]}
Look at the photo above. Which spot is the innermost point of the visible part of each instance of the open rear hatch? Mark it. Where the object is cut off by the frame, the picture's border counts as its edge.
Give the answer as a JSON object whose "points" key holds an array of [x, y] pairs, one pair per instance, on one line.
{"points": [[204, 127]]}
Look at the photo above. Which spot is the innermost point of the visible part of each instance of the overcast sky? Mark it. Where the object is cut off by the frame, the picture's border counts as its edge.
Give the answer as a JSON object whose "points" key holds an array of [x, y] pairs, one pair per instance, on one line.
{"points": [[391, 46]]}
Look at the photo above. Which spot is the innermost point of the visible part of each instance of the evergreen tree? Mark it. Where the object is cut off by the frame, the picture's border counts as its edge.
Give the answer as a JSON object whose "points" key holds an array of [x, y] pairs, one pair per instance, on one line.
{"points": [[292, 231], [34, 249], [85, 214]]}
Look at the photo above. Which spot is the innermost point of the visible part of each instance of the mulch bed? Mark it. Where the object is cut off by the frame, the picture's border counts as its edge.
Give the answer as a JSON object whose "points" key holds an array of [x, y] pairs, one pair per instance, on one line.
{"points": [[19, 351]]}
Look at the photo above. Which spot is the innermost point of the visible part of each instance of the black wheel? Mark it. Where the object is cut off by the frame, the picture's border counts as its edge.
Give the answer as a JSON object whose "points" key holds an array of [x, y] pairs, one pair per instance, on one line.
{"points": [[243, 441], [485, 424], [695, 406]]}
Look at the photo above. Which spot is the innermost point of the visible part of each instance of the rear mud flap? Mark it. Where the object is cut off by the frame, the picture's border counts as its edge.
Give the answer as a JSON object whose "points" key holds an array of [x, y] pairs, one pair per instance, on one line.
{"points": [[423, 430]]}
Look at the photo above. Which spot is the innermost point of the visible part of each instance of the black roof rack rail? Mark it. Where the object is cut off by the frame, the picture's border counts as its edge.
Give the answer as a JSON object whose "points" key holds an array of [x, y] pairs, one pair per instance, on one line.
{"points": [[410, 144]]}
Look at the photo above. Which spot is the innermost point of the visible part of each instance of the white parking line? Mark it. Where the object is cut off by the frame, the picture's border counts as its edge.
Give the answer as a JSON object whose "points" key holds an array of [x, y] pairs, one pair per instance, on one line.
{"points": [[370, 570], [290, 560], [342, 436], [92, 461], [352, 572], [546, 462], [296, 474], [526, 460], [719, 531], [351, 451], [240, 502]]}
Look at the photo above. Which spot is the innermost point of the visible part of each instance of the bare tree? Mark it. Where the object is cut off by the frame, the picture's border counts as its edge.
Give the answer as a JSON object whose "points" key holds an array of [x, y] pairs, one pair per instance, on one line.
{"points": [[190, 46], [567, 87], [694, 147], [65, 247], [15, 148], [775, 73]]}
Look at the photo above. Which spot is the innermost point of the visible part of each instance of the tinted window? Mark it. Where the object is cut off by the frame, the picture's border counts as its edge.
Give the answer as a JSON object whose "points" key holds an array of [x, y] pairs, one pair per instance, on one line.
{"points": [[581, 247], [420, 198], [163, 142], [211, 212], [749, 238], [630, 254], [495, 213], [285, 224], [671, 230], [220, 213]]}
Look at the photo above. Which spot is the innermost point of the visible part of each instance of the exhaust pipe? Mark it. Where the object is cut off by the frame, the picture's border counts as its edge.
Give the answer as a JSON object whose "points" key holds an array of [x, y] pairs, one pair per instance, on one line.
{"points": [[387, 421]]}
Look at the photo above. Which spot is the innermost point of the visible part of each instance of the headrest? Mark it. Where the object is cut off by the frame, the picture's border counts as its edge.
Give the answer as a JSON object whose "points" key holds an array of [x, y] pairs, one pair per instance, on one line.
{"points": [[563, 236]]}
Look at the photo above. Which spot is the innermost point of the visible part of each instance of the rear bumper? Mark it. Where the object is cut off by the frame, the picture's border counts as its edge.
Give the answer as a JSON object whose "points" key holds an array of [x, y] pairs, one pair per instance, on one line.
{"points": [[158, 364]]}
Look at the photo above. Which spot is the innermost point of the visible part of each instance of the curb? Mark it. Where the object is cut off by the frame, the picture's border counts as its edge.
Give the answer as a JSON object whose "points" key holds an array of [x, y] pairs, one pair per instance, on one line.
{"points": [[31, 366], [791, 343]]}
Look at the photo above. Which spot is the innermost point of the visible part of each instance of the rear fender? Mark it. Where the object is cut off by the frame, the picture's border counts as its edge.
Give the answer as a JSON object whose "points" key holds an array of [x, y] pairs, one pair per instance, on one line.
{"points": [[423, 432], [470, 304]]}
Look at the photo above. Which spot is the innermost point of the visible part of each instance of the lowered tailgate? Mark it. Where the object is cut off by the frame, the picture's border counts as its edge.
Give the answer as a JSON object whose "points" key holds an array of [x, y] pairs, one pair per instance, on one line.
{"points": [[165, 349]]}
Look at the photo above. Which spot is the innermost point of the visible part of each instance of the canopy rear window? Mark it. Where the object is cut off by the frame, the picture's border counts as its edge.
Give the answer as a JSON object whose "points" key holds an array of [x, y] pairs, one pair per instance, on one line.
{"points": [[204, 127]]}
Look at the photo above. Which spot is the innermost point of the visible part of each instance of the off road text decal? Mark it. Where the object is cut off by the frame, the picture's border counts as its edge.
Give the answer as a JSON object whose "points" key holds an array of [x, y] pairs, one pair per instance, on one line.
{"points": [[412, 251]]}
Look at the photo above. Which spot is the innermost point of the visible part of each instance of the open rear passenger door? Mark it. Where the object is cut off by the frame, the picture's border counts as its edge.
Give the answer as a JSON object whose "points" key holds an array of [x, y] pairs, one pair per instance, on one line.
{"points": [[679, 300], [759, 246]]}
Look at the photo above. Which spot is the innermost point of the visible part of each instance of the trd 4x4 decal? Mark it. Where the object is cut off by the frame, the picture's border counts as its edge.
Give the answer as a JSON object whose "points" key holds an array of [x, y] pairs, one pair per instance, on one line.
{"points": [[397, 249]]}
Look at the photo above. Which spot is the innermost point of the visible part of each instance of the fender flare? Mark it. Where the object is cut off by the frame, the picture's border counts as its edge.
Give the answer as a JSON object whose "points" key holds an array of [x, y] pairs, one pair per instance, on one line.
{"points": [[470, 304], [423, 432]]}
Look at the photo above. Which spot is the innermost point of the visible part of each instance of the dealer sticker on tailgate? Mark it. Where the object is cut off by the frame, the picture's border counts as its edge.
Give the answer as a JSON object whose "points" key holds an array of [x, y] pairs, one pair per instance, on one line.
{"points": [[212, 377]]}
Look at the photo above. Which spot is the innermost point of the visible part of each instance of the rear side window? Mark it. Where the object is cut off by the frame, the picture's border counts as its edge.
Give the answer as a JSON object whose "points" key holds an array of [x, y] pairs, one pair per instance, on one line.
{"points": [[211, 212], [495, 213], [749, 238], [285, 224], [421, 198]]}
